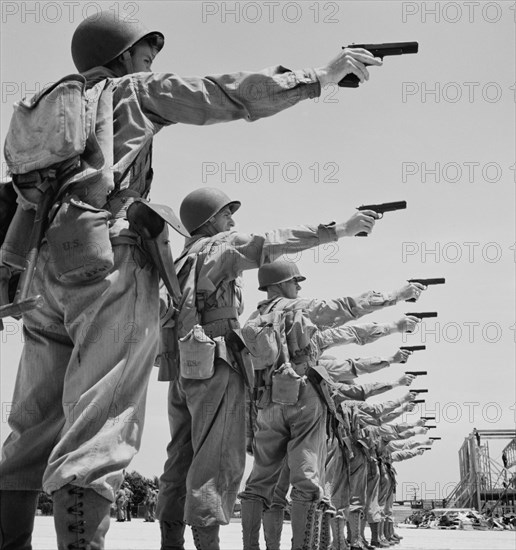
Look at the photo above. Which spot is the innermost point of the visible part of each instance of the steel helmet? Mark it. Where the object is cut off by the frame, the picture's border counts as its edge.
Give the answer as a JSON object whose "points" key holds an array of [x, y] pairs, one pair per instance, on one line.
{"points": [[104, 36], [276, 272], [202, 204]]}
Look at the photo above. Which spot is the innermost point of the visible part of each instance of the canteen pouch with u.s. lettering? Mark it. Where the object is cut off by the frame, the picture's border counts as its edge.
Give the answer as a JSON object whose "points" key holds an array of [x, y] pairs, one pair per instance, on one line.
{"points": [[79, 245], [197, 355], [286, 384]]}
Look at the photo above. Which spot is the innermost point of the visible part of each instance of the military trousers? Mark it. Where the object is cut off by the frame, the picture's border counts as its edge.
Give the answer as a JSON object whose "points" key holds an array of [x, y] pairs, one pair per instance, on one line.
{"points": [[385, 488], [79, 400], [206, 453], [297, 433], [337, 478], [373, 512], [389, 501], [358, 470]]}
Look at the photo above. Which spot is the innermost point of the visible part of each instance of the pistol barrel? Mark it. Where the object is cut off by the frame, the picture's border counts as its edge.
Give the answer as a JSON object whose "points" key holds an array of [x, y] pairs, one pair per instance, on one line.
{"points": [[422, 314]]}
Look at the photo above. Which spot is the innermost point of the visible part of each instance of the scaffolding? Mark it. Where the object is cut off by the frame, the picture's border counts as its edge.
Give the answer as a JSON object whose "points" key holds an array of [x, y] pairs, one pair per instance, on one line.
{"points": [[485, 484]]}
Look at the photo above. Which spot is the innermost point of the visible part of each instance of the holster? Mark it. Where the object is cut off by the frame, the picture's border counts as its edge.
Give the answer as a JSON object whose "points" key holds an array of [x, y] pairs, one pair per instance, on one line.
{"points": [[235, 341], [321, 380], [150, 222], [168, 358]]}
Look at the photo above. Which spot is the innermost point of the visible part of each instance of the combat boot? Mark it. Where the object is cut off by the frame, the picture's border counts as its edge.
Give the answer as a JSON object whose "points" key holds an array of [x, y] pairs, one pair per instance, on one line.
{"points": [[17, 511], [339, 541], [172, 535], [389, 532], [375, 539], [303, 520], [206, 538], [251, 522], [395, 535], [316, 534], [365, 544], [81, 518], [381, 534], [272, 520], [325, 537], [354, 527]]}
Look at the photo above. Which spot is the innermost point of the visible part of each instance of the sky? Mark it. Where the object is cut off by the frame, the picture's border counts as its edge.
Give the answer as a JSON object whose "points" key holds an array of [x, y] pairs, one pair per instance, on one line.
{"points": [[436, 129]]}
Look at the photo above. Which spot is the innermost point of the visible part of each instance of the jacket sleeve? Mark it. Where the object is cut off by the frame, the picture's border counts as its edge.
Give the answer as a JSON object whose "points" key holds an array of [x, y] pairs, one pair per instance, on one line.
{"points": [[380, 410], [235, 252], [350, 334], [346, 370], [394, 413], [339, 311], [398, 456], [401, 445], [167, 98]]}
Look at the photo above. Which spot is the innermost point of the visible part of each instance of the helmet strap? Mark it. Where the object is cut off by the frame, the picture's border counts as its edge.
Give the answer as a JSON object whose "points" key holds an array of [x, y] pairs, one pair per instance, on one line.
{"points": [[275, 291], [127, 62], [209, 228]]}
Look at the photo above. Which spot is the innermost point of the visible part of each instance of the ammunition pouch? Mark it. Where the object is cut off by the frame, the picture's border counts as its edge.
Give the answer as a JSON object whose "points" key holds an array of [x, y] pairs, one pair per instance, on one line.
{"points": [[78, 241], [286, 384]]}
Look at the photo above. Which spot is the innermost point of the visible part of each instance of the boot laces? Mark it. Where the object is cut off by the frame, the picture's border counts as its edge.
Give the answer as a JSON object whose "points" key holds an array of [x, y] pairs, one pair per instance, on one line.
{"points": [[76, 510]]}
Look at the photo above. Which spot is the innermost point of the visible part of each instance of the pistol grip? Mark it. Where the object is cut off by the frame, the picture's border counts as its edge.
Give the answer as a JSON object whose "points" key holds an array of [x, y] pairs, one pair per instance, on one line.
{"points": [[361, 234], [350, 81]]}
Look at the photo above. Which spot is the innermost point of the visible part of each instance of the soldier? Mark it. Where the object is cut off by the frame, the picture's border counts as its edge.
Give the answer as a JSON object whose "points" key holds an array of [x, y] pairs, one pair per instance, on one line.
{"points": [[396, 437], [296, 429], [121, 504], [395, 453], [129, 495], [69, 449], [206, 453], [150, 501]]}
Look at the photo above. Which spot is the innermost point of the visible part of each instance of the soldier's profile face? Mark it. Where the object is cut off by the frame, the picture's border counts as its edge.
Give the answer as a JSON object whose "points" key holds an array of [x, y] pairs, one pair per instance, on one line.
{"points": [[290, 288], [223, 220], [142, 56]]}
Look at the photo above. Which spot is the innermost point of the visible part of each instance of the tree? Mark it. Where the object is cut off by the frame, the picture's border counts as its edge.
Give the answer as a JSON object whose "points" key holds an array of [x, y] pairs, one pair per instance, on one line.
{"points": [[138, 485]]}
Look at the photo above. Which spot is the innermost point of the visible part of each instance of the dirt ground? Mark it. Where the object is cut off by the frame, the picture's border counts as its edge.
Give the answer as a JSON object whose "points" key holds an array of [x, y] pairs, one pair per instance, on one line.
{"points": [[139, 535]]}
